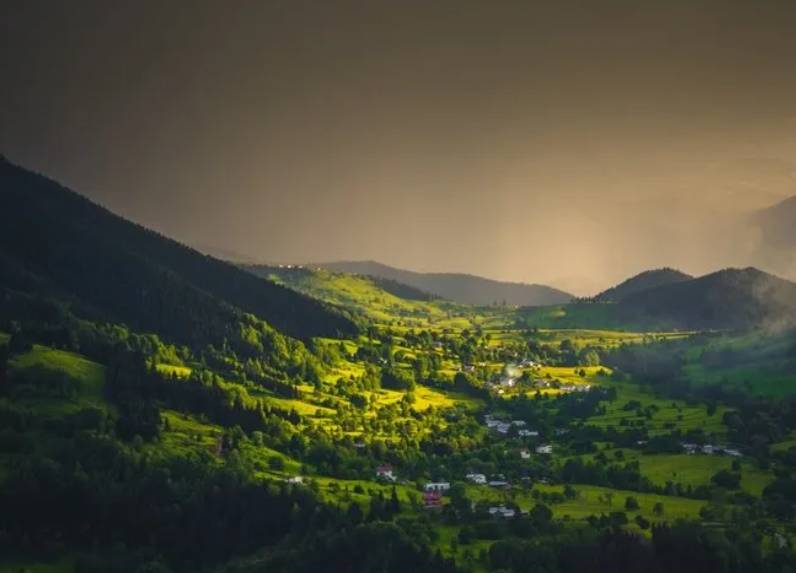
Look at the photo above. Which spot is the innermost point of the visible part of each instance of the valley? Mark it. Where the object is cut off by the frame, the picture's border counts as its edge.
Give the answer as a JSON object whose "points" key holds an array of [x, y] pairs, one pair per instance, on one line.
{"points": [[194, 415]]}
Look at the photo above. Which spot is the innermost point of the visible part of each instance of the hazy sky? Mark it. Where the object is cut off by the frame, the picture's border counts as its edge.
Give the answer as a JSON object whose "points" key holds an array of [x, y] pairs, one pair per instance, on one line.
{"points": [[566, 143]]}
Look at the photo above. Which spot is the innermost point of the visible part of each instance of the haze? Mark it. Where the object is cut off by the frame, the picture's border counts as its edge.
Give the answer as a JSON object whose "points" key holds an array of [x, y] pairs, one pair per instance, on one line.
{"points": [[571, 144]]}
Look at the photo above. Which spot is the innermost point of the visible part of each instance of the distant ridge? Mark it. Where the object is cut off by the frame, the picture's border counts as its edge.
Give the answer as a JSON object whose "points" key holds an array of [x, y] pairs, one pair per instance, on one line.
{"points": [[458, 287], [726, 299], [289, 273], [778, 224], [642, 281]]}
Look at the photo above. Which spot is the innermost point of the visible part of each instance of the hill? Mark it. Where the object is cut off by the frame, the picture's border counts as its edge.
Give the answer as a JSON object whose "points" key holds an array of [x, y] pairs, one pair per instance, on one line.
{"points": [[727, 299], [640, 282], [54, 241], [458, 287], [368, 298]]}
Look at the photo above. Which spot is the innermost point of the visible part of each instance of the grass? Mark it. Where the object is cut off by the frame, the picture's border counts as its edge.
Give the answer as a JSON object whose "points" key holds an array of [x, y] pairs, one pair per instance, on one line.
{"points": [[675, 413], [761, 363], [593, 500], [696, 470], [85, 379]]}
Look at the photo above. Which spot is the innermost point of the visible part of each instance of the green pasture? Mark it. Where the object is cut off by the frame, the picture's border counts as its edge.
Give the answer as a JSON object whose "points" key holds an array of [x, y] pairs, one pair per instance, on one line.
{"points": [[83, 378]]}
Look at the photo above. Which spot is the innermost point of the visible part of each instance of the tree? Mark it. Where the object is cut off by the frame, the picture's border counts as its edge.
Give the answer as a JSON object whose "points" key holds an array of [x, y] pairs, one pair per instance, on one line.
{"points": [[4, 354], [726, 479], [276, 463], [354, 513], [459, 500], [631, 503], [395, 505], [657, 509]]}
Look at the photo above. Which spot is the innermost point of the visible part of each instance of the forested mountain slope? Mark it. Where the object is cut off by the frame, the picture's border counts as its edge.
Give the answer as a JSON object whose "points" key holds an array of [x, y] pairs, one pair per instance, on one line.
{"points": [[642, 281], [54, 240], [726, 299]]}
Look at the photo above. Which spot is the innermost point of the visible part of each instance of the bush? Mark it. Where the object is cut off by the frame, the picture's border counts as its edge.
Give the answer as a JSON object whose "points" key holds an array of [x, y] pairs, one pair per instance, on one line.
{"points": [[276, 463]]}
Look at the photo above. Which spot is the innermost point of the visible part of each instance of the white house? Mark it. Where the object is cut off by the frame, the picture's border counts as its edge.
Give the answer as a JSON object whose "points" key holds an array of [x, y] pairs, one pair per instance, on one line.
{"points": [[499, 483], [525, 454], [476, 478], [544, 449], [437, 486], [501, 511], [527, 433], [385, 472], [296, 480]]}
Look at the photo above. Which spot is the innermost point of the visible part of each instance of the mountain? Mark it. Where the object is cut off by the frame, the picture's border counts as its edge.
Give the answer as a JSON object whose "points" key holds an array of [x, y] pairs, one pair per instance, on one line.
{"points": [[775, 229], [641, 282], [56, 242], [463, 288], [727, 299], [778, 224]]}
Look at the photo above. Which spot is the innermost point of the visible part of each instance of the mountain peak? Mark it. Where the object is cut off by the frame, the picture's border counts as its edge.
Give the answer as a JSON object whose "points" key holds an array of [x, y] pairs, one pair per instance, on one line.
{"points": [[645, 280]]}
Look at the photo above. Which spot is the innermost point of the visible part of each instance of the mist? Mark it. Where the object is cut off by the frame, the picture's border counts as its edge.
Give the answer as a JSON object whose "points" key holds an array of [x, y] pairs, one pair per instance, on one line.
{"points": [[560, 143]]}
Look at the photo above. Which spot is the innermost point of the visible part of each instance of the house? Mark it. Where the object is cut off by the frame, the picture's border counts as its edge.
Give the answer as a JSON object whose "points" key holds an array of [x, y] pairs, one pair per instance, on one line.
{"points": [[525, 454], [432, 499], [733, 452], [295, 480], [690, 448], [546, 449], [385, 472], [501, 511], [503, 428], [527, 433], [479, 479], [437, 486], [518, 423], [499, 483]]}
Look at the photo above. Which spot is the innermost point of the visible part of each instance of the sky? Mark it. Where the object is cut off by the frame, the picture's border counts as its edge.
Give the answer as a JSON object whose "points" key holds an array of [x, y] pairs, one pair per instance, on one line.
{"points": [[565, 143]]}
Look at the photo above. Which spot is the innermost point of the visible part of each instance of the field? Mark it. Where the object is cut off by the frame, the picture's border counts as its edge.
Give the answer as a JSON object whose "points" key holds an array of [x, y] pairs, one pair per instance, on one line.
{"points": [[667, 414], [761, 363], [72, 381], [592, 500]]}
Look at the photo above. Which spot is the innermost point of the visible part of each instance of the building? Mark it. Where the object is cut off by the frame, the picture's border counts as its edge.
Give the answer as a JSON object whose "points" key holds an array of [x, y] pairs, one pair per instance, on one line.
{"points": [[437, 486], [528, 433], [432, 499], [385, 472], [525, 454], [501, 511], [499, 483], [295, 480], [479, 479], [546, 449], [503, 428]]}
